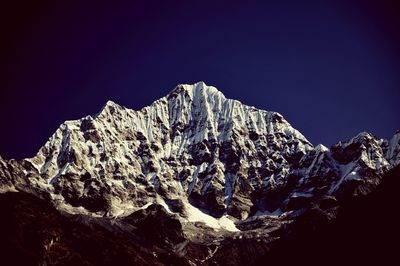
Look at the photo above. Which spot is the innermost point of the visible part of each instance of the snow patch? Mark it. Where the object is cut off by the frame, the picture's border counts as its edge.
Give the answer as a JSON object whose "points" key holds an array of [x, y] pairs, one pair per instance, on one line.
{"points": [[301, 194], [276, 213], [196, 215]]}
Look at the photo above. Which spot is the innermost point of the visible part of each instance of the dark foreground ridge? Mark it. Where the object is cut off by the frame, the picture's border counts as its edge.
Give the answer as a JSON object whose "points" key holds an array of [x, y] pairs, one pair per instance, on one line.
{"points": [[364, 232], [35, 233]]}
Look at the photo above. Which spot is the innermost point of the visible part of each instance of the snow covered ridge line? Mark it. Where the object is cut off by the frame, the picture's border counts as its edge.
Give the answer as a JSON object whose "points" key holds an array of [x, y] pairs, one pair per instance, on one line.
{"points": [[202, 156]]}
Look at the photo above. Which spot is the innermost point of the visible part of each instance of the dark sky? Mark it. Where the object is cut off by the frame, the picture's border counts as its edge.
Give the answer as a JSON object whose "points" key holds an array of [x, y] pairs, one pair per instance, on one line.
{"points": [[332, 68]]}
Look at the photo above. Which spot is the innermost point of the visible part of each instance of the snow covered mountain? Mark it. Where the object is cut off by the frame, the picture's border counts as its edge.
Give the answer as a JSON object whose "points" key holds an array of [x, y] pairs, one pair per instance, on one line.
{"points": [[206, 159], [198, 154]]}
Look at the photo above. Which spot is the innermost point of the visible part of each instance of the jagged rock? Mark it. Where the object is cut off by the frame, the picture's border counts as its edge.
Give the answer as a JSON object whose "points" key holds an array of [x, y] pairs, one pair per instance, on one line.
{"points": [[156, 226]]}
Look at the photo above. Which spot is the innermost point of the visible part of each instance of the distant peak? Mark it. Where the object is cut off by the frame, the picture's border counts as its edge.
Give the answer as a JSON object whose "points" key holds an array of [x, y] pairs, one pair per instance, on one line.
{"points": [[363, 135], [321, 148], [110, 103]]}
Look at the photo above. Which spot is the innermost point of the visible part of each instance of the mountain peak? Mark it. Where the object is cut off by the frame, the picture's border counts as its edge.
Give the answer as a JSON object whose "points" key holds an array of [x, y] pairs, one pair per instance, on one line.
{"points": [[197, 89], [321, 148], [110, 103], [109, 108], [363, 137]]}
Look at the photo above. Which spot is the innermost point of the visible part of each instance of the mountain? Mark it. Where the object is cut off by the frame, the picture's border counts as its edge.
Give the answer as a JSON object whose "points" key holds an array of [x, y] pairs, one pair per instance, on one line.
{"points": [[219, 175]]}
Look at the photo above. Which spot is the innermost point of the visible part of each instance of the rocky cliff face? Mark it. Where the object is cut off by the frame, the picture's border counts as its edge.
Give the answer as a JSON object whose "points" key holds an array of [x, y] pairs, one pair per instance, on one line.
{"points": [[205, 158], [193, 145]]}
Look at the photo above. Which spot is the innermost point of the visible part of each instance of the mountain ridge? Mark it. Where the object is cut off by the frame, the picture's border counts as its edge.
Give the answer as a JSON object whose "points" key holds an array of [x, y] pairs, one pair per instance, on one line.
{"points": [[196, 152]]}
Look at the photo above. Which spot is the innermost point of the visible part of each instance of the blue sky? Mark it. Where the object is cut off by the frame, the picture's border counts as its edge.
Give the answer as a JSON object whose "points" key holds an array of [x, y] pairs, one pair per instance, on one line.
{"points": [[330, 67]]}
